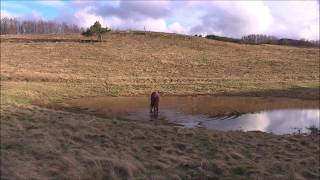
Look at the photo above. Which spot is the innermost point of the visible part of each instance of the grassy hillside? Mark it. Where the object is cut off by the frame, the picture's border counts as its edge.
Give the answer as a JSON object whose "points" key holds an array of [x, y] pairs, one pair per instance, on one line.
{"points": [[42, 143], [134, 63]]}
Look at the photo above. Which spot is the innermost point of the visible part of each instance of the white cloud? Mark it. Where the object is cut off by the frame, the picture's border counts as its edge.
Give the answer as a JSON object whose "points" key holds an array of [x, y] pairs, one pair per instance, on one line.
{"points": [[33, 15], [84, 18], [311, 31], [6, 14], [136, 10], [292, 19], [176, 27], [235, 18], [146, 24], [295, 19]]}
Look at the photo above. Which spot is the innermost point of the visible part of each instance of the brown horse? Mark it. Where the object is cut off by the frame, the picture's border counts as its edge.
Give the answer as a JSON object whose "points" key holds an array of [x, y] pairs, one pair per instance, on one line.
{"points": [[154, 102]]}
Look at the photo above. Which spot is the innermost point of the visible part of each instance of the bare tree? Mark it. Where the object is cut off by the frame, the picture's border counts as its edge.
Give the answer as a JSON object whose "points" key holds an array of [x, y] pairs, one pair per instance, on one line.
{"points": [[16, 26], [258, 38]]}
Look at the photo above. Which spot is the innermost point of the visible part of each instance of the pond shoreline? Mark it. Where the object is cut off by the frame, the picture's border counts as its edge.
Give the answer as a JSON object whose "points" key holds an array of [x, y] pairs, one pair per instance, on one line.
{"points": [[194, 111]]}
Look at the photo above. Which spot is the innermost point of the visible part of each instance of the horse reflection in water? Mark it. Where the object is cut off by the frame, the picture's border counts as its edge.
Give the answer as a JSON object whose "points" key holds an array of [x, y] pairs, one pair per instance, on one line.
{"points": [[154, 104]]}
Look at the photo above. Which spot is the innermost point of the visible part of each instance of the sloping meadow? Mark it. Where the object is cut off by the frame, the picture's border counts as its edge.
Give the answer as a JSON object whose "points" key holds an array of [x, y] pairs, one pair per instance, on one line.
{"points": [[46, 143], [137, 63]]}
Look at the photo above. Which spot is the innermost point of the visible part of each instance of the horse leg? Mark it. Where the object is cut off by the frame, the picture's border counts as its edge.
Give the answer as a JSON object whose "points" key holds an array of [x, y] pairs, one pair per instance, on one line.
{"points": [[154, 109], [151, 108]]}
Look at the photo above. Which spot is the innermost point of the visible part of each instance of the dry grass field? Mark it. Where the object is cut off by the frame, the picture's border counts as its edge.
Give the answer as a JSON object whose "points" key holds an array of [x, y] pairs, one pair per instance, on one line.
{"points": [[43, 143], [133, 63]]}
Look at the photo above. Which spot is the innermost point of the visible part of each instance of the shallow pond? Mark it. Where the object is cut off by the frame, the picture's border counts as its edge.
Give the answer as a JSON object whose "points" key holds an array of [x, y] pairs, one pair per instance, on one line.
{"points": [[276, 115]]}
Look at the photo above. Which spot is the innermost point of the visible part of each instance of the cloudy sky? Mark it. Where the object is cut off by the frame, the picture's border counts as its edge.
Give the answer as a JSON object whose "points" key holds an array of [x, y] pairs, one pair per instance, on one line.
{"points": [[291, 19]]}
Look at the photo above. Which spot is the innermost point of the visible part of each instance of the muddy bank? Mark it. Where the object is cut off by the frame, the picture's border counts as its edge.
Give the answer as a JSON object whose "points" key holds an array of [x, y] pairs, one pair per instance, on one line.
{"points": [[275, 115], [208, 105]]}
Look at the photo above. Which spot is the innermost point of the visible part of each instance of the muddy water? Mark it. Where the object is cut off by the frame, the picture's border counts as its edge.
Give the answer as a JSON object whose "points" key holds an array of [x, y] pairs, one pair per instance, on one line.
{"points": [[276, 115]]}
